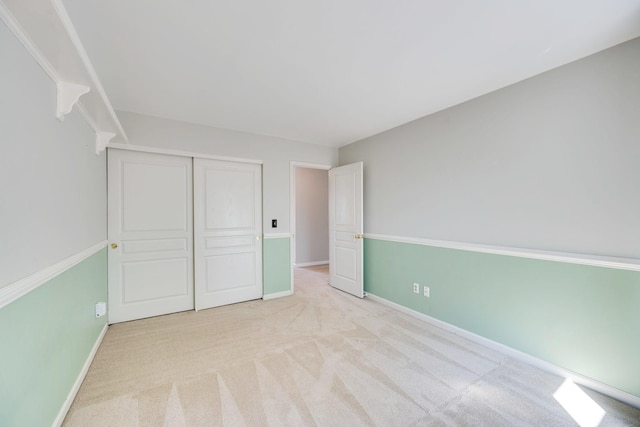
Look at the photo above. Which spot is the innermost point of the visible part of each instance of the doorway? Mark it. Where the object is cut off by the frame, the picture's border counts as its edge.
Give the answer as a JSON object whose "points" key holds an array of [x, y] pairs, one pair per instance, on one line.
{"points": [[309, 216]]}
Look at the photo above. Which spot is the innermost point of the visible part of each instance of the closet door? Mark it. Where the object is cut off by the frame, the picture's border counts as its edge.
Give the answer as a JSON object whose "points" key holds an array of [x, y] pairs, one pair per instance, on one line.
{"points": [[227, 232], [150, 235]]}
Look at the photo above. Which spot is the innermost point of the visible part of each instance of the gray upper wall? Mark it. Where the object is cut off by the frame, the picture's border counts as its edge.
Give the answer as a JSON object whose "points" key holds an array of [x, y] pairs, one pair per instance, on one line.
{"points": [[53, 189], [550, 163], [312, 215], [275, 153]]}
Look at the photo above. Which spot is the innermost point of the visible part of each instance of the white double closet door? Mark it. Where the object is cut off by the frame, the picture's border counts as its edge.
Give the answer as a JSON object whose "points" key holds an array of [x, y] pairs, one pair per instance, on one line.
{"points": [[170, 217]]}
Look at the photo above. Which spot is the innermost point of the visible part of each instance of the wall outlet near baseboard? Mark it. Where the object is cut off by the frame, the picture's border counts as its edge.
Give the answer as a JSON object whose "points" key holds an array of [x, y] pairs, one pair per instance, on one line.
{"points": [[426, 291], [416, 288], [101, 309]]}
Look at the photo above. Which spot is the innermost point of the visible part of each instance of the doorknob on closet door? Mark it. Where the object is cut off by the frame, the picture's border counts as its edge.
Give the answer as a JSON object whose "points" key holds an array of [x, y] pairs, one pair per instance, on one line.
{"points": [[257, 237], [114, 245], [359, 236]]}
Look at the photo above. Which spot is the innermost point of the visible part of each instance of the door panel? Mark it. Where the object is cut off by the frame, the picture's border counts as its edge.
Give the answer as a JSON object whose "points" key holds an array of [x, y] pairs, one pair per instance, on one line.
{"points": [[149, 189], [233, 192], [230, 271], [345, 215], [150, 224], [228, 232], [167, 275], [345, 229], [157, 245], [346, 263]]}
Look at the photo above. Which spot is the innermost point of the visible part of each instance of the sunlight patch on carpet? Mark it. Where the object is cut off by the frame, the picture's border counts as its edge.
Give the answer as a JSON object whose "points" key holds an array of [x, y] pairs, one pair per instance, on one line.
{"points": [[581, 407]]}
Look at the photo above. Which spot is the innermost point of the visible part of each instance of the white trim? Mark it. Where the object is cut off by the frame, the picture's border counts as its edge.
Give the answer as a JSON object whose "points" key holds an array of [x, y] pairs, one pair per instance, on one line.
{"points": [[572, 258], [68, 95], [311, 264], [15, 290], [52, 14], [82, 53], [605, 389], [277, 235], [81, 376], [26, 41], [182, 153], [308, 165], [102, 139], [277, 295]]}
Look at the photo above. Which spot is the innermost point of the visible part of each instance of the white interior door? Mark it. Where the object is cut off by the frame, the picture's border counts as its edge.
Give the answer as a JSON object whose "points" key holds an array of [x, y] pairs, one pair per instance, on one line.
{"points": [[150, 235], [227, 232], [345, 229]]}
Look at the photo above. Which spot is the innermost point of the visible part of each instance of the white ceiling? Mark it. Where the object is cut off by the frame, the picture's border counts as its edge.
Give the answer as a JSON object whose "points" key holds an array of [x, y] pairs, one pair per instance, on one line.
{"points": [[331, 71]]}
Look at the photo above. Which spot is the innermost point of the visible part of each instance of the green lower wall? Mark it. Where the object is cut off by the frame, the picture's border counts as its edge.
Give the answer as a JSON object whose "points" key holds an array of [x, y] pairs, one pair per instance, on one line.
{"points": [[46, 337], [276, 266], [583, 318]]}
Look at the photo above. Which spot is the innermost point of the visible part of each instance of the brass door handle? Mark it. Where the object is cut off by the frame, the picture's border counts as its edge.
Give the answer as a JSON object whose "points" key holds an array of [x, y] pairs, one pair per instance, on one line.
{"points": [[257, 237], [359, 236], [114, 245]]}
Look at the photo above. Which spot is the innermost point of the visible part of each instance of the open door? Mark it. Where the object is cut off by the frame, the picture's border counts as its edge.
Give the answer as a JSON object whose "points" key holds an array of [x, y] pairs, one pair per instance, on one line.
{"points": [[345, 229]]}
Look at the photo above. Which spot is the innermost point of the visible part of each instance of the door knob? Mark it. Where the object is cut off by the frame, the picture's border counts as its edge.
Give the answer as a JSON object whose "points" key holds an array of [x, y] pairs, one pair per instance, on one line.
{"points": [[114, 245], [359, 236]]}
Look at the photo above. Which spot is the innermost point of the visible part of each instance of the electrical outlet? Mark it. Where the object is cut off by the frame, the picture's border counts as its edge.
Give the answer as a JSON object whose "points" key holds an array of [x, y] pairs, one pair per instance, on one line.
{"points": [[426, 291], [416, 288], [101, 309]]}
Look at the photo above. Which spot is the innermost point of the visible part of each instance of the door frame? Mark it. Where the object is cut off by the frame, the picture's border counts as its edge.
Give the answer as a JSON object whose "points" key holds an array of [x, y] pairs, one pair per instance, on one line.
{"points": [[181, 153], [293, 165]]}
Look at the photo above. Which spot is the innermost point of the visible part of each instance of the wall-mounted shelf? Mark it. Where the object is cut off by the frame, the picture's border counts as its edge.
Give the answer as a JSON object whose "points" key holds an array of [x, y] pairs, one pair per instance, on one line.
{"points": [[46, 31]]}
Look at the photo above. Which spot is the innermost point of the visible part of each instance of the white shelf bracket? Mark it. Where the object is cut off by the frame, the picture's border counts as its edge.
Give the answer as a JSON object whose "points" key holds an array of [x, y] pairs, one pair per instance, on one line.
{"points": [[68, 96], [102, 139]]}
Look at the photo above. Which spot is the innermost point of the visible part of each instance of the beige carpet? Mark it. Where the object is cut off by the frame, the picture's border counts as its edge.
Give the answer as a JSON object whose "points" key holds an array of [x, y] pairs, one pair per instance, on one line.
{"points": [[320, 357]]}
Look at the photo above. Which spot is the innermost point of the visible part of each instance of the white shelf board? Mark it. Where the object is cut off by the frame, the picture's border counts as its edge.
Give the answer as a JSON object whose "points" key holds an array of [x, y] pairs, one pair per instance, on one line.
{"points": [[46, 31]]}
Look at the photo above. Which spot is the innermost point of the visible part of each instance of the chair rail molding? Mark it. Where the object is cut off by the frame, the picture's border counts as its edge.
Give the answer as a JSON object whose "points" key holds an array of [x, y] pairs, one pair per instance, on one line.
{"points": [[632, 264], [277, 235], [49, 35], [18, 289]]}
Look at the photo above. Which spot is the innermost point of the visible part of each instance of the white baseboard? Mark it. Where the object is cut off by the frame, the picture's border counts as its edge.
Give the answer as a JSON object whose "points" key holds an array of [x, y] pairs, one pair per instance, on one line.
{"points": [[277, 295], [76, 386], [605, 389], [311, 264]]}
